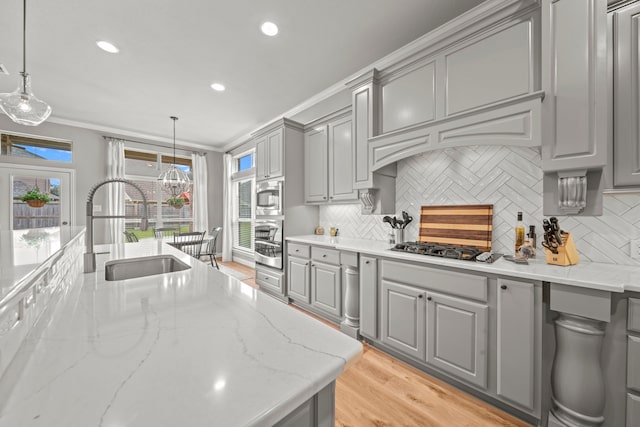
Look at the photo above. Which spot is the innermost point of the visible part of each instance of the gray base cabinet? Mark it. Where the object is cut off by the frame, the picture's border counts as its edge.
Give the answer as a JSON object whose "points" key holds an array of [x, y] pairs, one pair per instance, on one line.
{"points": [[403, 318], [271, 281], [314, 280], [457, 337], [368, 296], [298, 279], [516, 337], [326, 288]]}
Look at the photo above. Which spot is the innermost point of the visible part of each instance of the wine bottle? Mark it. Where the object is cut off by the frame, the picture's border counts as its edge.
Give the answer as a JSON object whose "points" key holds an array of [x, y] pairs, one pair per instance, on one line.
{"points": [[519, 233]]}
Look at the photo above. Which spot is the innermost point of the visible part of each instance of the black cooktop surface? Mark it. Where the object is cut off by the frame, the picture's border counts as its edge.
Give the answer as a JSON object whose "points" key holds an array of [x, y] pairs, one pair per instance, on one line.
{"points": [[466, 253]]}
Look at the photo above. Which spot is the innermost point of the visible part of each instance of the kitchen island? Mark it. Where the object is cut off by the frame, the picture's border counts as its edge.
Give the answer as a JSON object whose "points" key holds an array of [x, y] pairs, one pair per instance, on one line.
{"points": [[194, 347]]}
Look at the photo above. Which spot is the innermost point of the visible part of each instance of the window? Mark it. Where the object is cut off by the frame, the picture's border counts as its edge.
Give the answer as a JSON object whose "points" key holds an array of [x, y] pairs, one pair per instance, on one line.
{"points": [[243, 187], [35, 148], [143, 168], [245, 162]]}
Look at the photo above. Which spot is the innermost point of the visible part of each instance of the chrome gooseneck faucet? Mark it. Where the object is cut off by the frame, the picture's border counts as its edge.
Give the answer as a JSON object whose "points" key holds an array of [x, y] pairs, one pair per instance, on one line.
{"points": [[90, 256]]}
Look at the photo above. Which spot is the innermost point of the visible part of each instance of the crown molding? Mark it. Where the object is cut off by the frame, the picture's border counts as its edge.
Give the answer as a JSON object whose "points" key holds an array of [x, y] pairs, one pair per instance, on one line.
{"points": [[115, 132]]}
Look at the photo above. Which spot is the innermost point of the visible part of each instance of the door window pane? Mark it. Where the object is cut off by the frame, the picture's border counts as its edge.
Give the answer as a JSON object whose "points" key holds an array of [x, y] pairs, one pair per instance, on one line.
{"points": [[36, 213]]}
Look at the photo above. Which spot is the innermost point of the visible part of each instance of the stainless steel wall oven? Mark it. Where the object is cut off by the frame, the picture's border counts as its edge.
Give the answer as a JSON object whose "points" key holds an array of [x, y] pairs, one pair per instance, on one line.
{"points": [[268, 242]]}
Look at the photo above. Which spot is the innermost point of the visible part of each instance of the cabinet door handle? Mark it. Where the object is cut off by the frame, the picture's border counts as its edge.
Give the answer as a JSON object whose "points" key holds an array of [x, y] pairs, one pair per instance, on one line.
{"points": [[503, 287], [324, 198], [428, 298], [366, 262], [266, 278], [324, 255], [331, 197], [297, 250], [420, 296], [313, 265]]}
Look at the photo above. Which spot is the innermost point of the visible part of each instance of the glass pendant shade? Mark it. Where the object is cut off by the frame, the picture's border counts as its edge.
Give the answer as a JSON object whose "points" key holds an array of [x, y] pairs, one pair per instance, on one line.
{"points": [[173, 179], [22, 106]]}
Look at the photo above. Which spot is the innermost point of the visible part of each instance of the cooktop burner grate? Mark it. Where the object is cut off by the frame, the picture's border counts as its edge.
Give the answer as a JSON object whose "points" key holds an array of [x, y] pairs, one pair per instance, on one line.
{"points": [[466, 253]]}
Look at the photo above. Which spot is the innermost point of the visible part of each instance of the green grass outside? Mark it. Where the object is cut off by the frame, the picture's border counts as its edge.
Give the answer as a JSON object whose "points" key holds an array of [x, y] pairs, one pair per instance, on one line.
{"points": [[148, 233]]}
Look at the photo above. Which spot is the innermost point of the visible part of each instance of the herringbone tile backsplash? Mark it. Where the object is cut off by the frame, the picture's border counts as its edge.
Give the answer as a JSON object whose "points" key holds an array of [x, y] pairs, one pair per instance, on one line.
{"points": [[511, 179]]}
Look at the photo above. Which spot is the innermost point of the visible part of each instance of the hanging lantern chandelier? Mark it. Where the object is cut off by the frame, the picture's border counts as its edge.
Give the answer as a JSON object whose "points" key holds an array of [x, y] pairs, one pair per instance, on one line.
{"points": [[173, 179], [21, 105]]}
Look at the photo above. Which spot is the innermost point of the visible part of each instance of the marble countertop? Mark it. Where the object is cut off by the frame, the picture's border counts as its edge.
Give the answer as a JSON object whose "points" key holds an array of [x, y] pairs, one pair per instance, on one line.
{"points": [[195, 348], [23, 251], [607, 277]]}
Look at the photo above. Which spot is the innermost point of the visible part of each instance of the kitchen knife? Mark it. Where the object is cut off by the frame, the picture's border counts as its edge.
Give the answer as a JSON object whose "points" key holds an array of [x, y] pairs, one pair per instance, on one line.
{"points": [[555, 228]]}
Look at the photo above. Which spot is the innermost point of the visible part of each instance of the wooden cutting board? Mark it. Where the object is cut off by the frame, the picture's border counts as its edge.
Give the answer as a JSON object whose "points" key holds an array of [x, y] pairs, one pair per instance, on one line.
{"points": [[461, 225]]}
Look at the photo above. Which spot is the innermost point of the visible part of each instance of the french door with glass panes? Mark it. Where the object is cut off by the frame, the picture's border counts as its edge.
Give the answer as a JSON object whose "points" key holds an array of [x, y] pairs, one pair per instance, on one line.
{"points": [[16, 181]]}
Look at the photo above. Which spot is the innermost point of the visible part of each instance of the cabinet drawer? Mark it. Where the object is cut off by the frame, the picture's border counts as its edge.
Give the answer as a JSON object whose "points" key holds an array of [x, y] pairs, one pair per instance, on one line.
{"points": [[633, 410], [297, 249], [270, 281], [450, 282], [327, 255], [633, 363], [633, 323]]}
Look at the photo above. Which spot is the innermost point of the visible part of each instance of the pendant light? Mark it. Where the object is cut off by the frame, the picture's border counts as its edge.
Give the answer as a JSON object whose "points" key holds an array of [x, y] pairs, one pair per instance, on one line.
{"points": [[21, 105], [173, 179]]}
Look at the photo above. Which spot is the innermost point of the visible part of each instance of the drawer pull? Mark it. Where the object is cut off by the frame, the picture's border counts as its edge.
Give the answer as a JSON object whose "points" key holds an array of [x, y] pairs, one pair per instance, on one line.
{"points": [[324, 255], [503, 287], [366, 262], [297, 250]]}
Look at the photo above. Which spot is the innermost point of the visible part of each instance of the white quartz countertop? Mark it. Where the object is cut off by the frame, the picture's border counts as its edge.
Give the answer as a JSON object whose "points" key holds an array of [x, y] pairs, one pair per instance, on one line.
{"points": [[23, 251], [190, 348], [607, 277]]}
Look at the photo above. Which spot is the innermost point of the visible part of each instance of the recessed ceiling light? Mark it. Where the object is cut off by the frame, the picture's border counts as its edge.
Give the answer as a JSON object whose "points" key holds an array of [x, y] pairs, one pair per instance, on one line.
{"points": [[217, 87], [269, 28], [107, 47]]}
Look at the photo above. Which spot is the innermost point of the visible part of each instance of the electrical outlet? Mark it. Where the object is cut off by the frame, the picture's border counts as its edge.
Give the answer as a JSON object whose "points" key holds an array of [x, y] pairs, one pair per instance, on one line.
{"points": [[634, 249]]}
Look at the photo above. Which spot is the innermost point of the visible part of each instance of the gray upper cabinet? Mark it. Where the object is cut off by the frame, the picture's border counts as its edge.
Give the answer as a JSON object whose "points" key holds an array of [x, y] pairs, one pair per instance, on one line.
{"points": [[457, 336], [341, 175], [626, 149], [270, 155], [516, 333], [316, 146], [403, 318], [328, 159], [574, 78]]}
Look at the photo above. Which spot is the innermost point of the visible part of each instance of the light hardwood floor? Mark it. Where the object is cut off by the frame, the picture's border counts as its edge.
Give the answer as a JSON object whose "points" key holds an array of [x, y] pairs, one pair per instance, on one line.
{"points": [[381, 391]]}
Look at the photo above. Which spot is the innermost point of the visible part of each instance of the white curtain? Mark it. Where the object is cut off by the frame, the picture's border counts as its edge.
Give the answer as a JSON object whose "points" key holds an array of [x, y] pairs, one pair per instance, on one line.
{"points": [[199, 199], [115, 192], [227, 218]]}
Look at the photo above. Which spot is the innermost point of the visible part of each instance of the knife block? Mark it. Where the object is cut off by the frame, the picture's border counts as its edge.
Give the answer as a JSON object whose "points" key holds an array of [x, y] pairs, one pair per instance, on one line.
{"points": [[567, 252]]}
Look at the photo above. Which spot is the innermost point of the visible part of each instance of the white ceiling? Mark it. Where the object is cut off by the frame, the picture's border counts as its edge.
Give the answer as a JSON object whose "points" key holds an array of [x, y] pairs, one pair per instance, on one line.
{"points": [[171, 51]]}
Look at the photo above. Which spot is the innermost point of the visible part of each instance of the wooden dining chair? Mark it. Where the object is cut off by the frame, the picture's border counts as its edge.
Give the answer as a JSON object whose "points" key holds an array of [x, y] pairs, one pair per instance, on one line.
{"points": [[131, 237], [162, 232], [190, 243], [210, 249]]}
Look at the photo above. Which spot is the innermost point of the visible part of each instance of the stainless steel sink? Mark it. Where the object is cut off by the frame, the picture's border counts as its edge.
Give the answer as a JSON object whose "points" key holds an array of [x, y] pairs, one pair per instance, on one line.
{"points": [[130, 268]]}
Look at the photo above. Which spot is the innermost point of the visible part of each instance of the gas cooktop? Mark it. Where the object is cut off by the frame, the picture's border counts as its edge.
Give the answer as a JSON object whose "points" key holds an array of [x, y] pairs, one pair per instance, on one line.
{"points": [[466, 253]]}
